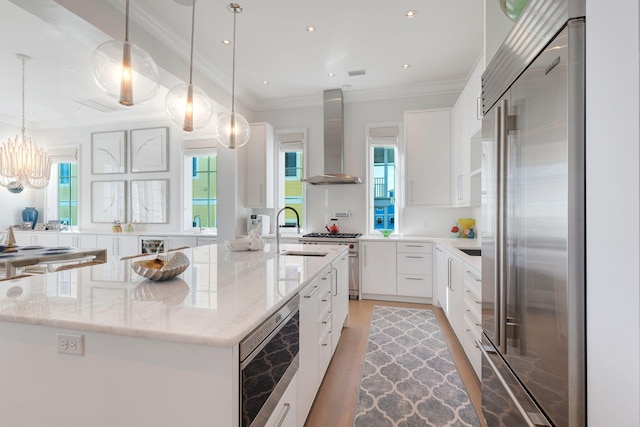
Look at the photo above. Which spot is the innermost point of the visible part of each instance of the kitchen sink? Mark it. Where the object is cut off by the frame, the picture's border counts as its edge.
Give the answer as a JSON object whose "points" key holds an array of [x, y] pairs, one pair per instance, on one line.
{"points": [[472, 252], [304, 253]]}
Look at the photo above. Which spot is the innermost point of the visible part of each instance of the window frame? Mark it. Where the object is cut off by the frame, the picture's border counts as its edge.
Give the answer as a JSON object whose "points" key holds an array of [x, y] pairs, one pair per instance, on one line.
{"points": [[57, 155], [197, 147], [371, 143], [282, 147]]}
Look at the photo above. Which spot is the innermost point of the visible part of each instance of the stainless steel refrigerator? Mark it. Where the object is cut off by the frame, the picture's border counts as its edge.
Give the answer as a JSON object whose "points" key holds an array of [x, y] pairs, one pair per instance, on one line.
{"points": [[533, 242]]}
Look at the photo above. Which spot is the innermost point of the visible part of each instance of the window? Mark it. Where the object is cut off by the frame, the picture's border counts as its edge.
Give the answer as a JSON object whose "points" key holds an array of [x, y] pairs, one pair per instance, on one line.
{"points": [[383, 181], [203, 191], [200, 199], [67, 183], [61, 195], [291, 171]]}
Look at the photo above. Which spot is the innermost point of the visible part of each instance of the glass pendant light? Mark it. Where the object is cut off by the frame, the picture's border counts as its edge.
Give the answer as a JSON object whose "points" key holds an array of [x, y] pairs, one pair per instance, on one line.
{"points": [[233, 129], [187, 105], [124, 71]]}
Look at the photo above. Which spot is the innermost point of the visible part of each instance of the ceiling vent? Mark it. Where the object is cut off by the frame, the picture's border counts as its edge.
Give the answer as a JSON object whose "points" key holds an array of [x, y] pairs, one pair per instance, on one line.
{"points": [[355, 73], [100, 106]]}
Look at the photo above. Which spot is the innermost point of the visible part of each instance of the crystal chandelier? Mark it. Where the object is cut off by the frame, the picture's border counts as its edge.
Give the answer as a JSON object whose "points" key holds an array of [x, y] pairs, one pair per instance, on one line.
{"points": [[233, 129], [22, 162]]}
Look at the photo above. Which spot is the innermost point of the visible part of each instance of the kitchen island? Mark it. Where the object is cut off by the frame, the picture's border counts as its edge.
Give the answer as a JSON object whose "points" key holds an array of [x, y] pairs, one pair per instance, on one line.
{"points": [[161, 354]]}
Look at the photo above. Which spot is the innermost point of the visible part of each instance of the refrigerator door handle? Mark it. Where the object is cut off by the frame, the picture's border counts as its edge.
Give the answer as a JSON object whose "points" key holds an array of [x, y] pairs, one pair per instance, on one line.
{"points": [[504, 124], [532, 419]]}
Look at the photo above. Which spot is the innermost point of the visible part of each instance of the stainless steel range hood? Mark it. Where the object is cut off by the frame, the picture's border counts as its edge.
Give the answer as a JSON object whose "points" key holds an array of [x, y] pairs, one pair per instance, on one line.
{"points": [[333, 143]]}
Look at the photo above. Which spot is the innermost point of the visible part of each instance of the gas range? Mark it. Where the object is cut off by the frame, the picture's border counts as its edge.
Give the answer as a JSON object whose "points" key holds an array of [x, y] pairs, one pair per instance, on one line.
{"points": [[329, 237]]}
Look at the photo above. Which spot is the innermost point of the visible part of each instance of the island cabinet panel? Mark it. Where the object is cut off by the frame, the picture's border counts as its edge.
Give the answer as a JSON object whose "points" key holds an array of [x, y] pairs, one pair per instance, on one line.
{"points": [[286, 412], [308, 376], [119, 381], [260, 167], [428, 157]]}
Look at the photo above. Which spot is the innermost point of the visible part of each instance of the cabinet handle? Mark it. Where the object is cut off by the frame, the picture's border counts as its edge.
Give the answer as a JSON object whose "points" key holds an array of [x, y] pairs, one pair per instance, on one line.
{"points": [[411, 190], [327, 298], [439, 249], [315, 289], [324, 344], [414, 257], [473, 276], [449, 273], [473, 318], [473, 340], [473, 297], [286, 406], [334, 282], [414, 246], [365, 256], [414, 278], [327, 275]]}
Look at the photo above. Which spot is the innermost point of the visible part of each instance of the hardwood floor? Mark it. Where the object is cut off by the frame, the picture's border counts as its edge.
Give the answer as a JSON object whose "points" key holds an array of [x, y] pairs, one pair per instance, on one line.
{"points": [[336, 400]]}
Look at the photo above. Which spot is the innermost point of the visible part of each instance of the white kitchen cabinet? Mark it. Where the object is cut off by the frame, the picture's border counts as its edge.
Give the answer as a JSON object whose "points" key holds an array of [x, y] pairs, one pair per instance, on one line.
{"points": [[118, 246], [181, 241], [428, 157], [455, 294], [414, 264], [260, 167], [202, 241], [79, 241], [378, 268], [340, 299], [285, 413], [32, 238], [325, 294], [308, 377], [466, 122], [472, 317]]}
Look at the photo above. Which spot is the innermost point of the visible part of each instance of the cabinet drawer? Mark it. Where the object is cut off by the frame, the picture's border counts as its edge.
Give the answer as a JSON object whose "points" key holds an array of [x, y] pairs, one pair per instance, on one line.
{"points": [[324, 323], [472, 303], [417, 247], [324, 353], [415, 286], [470, 345], [472, 280], [420, 264]]}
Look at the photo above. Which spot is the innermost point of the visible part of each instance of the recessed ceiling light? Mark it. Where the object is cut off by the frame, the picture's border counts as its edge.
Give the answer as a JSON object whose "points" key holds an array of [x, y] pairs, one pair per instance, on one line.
{"points": [[331, 74], [405, 66], [311, 29], [264, 82], [411, 13], [226, 41]]}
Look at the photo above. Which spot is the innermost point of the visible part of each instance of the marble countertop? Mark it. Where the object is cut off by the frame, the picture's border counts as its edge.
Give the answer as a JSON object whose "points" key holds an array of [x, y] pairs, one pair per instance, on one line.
{"points": [[217, 301]]}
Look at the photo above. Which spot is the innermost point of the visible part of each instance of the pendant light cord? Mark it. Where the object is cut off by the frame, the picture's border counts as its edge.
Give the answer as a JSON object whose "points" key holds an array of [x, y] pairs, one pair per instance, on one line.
{"points": [[233, 61], [193, 23], [24, 61], [126, 22]]}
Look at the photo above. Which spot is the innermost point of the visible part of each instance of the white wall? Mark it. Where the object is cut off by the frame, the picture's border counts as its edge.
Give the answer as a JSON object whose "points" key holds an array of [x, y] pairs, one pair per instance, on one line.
{"points": [[613, 199], [81, 136], [324, 200]]}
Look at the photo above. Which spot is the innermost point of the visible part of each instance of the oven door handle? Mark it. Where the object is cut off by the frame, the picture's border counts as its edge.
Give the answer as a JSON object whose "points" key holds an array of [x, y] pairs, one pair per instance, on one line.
{"points": [[266, 341]]}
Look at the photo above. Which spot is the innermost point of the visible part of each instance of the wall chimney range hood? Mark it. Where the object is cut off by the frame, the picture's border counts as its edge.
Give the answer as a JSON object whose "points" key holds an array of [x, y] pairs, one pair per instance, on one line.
{"points": [[333, 143]]}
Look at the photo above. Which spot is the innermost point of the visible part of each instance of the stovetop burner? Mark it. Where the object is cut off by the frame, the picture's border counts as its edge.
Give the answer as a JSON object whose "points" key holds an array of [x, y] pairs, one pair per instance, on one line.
{"points": [[333, 236]]}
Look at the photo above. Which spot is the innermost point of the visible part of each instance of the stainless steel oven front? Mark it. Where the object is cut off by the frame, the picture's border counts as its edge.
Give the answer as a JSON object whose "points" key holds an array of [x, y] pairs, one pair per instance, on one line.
{"points": [[268, 362]]}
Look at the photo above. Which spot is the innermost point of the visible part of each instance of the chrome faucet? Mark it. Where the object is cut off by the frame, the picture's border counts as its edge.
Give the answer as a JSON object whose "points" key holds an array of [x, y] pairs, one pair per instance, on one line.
{"points": [[199, 222], [278, 225]]}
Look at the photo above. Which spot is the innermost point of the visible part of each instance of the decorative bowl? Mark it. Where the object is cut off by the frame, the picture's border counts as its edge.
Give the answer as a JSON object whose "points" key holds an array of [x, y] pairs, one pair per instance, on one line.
{"points": [[385, 232], [161, 269]]}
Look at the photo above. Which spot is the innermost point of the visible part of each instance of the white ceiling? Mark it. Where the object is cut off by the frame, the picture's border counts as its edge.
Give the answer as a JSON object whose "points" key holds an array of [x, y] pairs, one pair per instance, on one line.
{"points": [[442, 44]]}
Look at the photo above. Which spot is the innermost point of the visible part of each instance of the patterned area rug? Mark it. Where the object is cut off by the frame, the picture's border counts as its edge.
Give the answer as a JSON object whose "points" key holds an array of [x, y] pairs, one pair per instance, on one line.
{"points": [[408, 376]]}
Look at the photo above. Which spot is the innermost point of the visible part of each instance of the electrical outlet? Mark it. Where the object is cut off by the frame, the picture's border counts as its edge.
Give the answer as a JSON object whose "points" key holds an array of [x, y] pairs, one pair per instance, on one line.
{"points": [[71, 344]]}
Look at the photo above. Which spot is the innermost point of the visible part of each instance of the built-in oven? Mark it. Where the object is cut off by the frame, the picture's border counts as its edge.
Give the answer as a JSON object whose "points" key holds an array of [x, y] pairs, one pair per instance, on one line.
{"points": [[350, 239], [268, 362]]}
